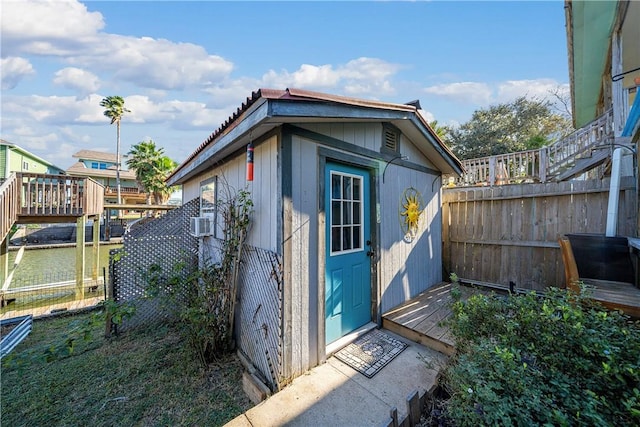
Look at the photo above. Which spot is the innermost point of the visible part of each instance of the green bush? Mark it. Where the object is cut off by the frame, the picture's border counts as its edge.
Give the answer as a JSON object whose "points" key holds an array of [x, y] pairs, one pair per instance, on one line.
{"points": [[203, 297], [557, 359]]}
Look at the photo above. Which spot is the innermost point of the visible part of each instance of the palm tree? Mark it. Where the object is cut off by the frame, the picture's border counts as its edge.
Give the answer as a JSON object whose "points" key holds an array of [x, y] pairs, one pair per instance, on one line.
{"points": [[441, 131], [114, 110], [151, 167]]}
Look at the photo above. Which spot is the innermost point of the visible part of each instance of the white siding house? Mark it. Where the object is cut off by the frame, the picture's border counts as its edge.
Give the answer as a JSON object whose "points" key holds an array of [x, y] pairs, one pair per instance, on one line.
{"points": [[347, 221]]}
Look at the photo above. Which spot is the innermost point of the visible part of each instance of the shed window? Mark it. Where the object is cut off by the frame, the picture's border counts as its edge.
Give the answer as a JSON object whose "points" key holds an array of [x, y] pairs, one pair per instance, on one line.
{"points": [[208, 198], [390, 139]]}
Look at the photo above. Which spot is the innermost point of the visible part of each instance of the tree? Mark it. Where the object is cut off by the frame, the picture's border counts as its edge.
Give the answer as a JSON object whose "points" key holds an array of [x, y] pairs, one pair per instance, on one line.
{"points": [[441, 131], [151, 167], [522, 124], [115, 110]]}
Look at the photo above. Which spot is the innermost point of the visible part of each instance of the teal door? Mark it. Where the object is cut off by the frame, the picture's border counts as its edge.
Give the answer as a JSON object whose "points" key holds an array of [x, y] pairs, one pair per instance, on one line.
{"points": [[348, 264]]}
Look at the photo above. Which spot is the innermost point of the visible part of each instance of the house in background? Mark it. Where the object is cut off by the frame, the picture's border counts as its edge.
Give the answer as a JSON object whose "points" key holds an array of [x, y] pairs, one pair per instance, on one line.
{"points": [[347, 220], [16, 159], [603, 40], [101, 167]]}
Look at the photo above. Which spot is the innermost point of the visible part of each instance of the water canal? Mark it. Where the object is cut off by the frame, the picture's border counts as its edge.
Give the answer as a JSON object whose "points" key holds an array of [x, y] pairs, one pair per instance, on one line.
{"points": [[52, 265]]}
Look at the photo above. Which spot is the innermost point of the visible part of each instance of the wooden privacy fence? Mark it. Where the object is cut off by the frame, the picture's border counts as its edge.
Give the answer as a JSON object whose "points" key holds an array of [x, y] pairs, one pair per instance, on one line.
{"points": [[510, 233]]}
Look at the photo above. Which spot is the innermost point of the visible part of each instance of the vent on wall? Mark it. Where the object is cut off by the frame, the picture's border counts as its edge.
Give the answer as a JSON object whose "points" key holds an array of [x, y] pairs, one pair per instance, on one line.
{"points": [[390, 139]]}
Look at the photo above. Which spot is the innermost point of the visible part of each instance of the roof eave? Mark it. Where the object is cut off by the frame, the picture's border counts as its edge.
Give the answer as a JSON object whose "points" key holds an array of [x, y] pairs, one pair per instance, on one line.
{"points": [[275, 112]]}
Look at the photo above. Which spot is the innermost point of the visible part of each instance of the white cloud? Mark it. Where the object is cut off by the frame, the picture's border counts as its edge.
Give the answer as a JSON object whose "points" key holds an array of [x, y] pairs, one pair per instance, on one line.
{"points": [[66, 29], [427, 115], [157, 63], [57, 110], [62, 111], [540, 88], [483, 94], [47, 27], [77, 79], [362, 76], [463, 92], [232, 93], [14, 69]]}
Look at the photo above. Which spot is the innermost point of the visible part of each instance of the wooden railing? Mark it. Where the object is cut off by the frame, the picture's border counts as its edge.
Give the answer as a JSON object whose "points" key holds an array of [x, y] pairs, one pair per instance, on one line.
{"points": [[35, 197], [59, 195], [563, 153], [8, 205], [123, 190], [538, 165], [503, 169]]}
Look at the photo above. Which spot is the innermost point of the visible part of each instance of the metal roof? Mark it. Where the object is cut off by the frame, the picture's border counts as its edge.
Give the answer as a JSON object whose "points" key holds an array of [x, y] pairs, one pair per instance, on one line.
{"points": [[96, 155], [80, 169], [273, 116]]}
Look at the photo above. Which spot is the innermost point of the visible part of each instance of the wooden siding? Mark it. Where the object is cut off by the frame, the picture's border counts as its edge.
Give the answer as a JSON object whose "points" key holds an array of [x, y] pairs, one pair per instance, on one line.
{"points": [[304, 262], [408, 267], [262, 234], [510, 233], [365, 135]]}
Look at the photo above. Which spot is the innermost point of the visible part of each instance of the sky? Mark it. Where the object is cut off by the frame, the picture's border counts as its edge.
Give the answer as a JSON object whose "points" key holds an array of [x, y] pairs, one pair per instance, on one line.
{"points": [[184, 67]]}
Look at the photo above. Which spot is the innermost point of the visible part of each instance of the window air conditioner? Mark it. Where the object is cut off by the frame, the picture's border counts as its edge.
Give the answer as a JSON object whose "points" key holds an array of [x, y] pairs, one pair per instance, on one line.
{"points": [[200, 226]]}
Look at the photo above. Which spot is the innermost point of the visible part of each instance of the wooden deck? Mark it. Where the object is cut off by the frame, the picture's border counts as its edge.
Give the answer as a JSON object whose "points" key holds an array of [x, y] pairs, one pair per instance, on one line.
{"points": [[420, 319], [28, 198], [617, 296]]}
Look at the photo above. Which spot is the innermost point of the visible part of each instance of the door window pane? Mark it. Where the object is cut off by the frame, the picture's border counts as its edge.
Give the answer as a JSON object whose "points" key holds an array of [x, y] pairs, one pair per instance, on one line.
{"points": [[346, 213], [356, 213], [335, 212], [346, 239], [335, 239], [346, 187], [335, 186]]}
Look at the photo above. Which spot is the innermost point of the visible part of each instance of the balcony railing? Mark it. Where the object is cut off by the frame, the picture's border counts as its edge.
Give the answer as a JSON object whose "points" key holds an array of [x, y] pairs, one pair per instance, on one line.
{"points": [[32, 197], [538, 165]]}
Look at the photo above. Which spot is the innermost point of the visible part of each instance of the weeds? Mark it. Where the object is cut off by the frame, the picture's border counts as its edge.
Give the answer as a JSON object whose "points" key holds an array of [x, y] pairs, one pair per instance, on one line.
{"points": [[557, 359], [144, 377]]}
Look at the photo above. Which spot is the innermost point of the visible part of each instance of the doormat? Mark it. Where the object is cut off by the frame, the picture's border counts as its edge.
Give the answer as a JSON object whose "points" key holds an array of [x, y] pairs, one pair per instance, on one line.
{"points": [[371, 352]]}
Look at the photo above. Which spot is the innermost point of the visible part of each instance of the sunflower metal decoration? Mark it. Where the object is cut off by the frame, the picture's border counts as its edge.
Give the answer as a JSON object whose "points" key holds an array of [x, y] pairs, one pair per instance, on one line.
{"points": [[411, 206]]}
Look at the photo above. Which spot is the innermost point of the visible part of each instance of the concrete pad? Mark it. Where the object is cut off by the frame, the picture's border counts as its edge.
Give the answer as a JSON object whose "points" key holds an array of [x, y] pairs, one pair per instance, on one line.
{"points": [[334, 394], [322, 397], [416, 368], [239, 421]]}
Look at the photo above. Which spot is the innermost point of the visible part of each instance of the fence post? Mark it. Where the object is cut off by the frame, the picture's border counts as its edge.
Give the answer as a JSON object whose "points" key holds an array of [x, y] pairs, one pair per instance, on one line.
{"points": [[492, 171], [80, 223], [543, 164], [109, 294]]}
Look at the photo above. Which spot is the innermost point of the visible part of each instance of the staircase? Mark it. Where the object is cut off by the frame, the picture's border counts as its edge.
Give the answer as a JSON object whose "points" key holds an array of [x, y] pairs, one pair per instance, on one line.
{"points": [[578, 153]]}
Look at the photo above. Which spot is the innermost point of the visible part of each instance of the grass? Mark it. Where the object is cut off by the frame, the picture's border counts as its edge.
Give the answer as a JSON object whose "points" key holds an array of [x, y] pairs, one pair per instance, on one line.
{"points": [[140, 378]]}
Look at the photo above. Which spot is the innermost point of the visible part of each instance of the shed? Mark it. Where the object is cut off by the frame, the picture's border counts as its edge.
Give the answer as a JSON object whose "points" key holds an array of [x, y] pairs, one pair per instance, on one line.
{"points": [[347, 220]]}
